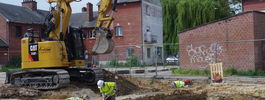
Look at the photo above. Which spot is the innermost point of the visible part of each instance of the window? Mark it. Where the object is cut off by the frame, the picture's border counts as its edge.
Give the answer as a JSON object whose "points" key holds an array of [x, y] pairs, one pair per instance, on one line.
{"points": [[148, 53], [159, 52], [147, 10], [84, 35], [130, 52], [118, 31], [18, 32], [91, 35]]}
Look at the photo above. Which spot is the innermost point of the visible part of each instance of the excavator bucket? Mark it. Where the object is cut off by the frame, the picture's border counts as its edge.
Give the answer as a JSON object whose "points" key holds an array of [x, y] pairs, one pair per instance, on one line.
{"points": [[104, 44]]}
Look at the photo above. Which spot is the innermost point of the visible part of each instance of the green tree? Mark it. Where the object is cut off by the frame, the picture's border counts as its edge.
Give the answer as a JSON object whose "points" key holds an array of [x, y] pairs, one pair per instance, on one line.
{"points": [[180, 15]]}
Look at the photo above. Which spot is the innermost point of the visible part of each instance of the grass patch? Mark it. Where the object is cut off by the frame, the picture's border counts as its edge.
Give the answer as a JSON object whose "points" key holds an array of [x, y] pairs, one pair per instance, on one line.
{"points": [[190, 72], [232, 71], [9, 68], [227, 72]]}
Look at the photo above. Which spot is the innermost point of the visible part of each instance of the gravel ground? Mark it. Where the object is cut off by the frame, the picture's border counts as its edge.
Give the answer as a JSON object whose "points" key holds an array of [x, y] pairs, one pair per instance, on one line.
{"points": [[131, 88]]}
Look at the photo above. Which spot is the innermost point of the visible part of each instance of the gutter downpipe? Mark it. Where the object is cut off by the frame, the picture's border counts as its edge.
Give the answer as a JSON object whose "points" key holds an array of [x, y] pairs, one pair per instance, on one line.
{"points": [[8, 39]]}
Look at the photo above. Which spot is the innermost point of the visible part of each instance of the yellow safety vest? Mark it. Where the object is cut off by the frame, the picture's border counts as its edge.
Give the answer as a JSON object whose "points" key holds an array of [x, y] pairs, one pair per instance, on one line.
{"points": [[108, 89], [74, 98], [179, 84]]}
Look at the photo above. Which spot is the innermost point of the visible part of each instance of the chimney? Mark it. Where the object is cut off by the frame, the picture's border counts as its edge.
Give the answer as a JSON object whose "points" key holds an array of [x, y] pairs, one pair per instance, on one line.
{"points": [[31, 4], [84, 9], [90, 11]]}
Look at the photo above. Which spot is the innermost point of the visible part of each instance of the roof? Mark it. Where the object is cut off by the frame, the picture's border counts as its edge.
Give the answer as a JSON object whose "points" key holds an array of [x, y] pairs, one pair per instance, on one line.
{"points": [[221, 20], [2, 43], [21, 14], [81, 20]]}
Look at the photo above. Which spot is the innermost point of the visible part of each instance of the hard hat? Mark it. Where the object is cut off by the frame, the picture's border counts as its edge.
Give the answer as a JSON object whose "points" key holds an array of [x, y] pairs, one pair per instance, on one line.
{"points": [[100, 83]]}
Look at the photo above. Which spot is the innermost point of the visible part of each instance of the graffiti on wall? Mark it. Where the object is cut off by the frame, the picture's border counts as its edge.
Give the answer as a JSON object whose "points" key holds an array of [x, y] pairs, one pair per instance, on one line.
{"points": [[204, 54]]}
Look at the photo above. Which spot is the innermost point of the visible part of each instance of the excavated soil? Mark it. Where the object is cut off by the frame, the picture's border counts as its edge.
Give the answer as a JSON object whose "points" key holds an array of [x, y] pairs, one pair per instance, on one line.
{"points": [[130, 88], [124, 86]]}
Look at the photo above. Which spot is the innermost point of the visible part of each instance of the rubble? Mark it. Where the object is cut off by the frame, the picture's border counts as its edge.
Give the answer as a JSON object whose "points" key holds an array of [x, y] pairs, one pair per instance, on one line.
{"points": [[14, 92], [131, 88]]}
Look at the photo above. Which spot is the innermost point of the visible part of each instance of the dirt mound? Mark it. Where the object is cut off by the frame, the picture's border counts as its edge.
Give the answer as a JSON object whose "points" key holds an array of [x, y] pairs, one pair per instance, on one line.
{"points": [[73, 90], [124, 87], [14, 92]]}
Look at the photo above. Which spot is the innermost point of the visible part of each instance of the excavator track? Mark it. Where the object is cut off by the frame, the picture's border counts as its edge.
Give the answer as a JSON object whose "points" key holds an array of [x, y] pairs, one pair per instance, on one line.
{"points": [[49, 79], [86, 75], [42, 79]]}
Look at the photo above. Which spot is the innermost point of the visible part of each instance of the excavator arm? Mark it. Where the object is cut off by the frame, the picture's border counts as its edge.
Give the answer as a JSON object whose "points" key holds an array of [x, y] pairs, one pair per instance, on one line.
{"points": [[61, 16], [104, 9], [104, 44], [60, 20]]}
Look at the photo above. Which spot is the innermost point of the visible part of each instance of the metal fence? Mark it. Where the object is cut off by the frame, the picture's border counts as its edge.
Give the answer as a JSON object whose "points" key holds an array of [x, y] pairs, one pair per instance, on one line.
{"points": [[156, 59]]}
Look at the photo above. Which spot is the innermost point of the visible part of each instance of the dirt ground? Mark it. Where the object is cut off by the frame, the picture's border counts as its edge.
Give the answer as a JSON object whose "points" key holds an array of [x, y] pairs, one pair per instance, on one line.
{"points": [[130, 88]]}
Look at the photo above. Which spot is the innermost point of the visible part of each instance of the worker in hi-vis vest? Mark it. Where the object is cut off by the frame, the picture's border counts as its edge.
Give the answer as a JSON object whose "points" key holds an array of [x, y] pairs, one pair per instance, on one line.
{"points": [[107, 89], [181, 84]]}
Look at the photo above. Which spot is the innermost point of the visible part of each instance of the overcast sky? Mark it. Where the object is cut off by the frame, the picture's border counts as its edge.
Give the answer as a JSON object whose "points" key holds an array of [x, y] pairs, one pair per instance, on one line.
{"points": [[42, 4]]}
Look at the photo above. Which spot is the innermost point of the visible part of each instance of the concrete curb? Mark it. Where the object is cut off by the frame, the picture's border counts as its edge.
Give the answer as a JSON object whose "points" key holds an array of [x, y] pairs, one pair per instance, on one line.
{"points": [[137, 71]]}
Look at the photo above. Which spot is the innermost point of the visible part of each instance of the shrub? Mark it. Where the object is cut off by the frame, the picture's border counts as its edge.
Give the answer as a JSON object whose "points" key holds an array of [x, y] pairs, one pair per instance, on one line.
{"points": [[14, 62], [133, 61], [112, 63], [190, 72], [230, 71]]}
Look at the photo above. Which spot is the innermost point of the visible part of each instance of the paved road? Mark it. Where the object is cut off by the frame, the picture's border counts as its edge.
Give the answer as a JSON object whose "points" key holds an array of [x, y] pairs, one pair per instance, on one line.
{"points": [[142, 68]]}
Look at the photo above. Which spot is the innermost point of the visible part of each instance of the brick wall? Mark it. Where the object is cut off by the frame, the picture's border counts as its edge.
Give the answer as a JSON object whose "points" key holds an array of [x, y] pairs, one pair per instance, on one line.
{"points": [[3, 28], [128, 16], [15, 42], [199, 45], [249, 5], [3, 55], [259, 24]]}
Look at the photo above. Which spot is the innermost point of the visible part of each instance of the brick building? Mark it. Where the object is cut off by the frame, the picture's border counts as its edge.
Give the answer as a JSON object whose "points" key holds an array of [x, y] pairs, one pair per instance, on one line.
{"points": [[14, 22], [249, 5], [229, 40], [137, 23]]}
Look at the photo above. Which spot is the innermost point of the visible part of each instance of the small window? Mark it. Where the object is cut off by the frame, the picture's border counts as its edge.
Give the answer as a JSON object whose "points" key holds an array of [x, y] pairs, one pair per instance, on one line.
{"points": [[84, 35], [159, 52], [18, 31], [118, 31], [130, 52], [91, 35], [148, 53], [147, 10]]}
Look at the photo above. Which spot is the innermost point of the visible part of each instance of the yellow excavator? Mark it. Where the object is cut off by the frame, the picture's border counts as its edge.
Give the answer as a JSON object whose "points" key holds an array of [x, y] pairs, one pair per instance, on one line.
{"points": [[57, 58]]}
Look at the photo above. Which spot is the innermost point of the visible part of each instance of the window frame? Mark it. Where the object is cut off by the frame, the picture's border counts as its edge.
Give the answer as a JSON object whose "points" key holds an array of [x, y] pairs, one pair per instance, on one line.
{"points": [[91, 35], [18, 31], [120, 30], [130, 52], [148, 52]]}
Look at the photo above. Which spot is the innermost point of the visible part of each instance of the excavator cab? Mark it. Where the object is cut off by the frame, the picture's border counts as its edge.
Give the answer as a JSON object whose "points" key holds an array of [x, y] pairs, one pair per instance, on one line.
{"points": [[75, 45]]}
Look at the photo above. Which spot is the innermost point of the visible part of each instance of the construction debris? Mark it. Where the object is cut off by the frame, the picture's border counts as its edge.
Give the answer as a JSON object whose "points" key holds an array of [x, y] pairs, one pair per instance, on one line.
{"points": [[131, 88], [14, 92]]}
